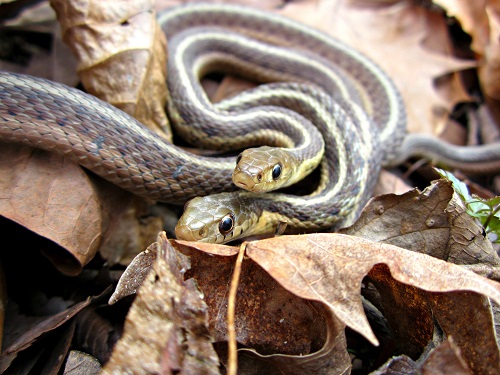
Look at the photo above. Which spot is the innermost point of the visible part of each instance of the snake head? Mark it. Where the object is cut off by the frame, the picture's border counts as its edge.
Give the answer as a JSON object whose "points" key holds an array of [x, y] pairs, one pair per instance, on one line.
{"points": [[218, 218], [264, 169]]}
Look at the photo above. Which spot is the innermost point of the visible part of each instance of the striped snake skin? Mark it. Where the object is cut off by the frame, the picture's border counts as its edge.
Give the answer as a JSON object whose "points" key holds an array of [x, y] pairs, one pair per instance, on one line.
{"points": [[347, 115]]}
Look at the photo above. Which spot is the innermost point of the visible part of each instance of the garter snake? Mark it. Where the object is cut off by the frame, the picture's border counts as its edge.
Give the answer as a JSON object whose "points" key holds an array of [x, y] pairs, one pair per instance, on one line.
{"points": [[364, 120]]}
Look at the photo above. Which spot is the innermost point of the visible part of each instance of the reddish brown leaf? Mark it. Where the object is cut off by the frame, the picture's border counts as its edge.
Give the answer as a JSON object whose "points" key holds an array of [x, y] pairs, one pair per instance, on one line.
{"points": [[35, 186]]}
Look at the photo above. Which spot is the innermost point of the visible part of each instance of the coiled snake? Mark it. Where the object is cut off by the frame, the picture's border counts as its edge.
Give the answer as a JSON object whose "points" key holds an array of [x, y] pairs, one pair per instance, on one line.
{"points": [[350, 100]]}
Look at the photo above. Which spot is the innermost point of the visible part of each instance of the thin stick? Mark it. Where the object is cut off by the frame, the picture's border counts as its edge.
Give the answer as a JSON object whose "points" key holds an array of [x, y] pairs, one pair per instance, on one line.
{"points": [[232, 360]]}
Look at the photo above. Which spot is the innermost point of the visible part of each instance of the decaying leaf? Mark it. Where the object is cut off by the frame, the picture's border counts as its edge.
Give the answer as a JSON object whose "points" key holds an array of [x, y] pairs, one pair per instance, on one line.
{"points": [[386, 31], [446, 359], [135, 274], [130, 223], [332, 358], [58, 200], [481, 20], [39, 332], [430, 222], [267, 318], [166, 329], [35, 187], [414, 292], [79, 363], [121, 54]]}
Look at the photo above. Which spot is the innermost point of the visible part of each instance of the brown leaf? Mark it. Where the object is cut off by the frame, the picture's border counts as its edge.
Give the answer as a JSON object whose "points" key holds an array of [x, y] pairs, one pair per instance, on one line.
{"points": [[332, 358], [79, 363], [478, 343], [397, 31], [445, 359], [29, 338], [35, 186], [135, 274], [400, 365], [309, 265], [122, 55], [431, 222], [166, 324], [130, 222], [268, 318], [481, 20]]}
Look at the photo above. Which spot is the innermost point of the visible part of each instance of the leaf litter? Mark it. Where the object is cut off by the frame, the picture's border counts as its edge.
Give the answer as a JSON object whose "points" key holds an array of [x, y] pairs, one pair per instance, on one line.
{"points": [[399, 277]]}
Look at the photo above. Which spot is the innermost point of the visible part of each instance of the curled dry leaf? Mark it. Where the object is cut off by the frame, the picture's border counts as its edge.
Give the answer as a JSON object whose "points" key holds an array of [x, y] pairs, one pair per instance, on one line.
{"points": [[446, 356], [130, 223], [134, 275], [166, 326], [481, 20], [121, 54], [35, 186], [58, 200], [330, 268], [397, 365], [431, 222]]}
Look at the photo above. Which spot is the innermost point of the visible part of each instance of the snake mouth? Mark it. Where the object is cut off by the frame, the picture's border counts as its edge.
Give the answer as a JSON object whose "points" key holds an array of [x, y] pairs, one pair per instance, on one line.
{"points": [[243, 180]]}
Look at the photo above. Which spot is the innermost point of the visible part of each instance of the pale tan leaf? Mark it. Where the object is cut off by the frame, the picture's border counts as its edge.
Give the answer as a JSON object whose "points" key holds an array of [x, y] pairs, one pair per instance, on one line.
{"points": [[473, 19], [80, 363], [393, 36], [134, 275], [121, 52], [166, 328], [310, 265]]}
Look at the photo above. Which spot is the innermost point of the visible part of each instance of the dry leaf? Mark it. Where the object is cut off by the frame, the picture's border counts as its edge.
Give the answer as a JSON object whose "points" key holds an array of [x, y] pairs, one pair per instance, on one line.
{"points": [[481, 20], [130, 223], [397, 31], [309, 265], [35, 186], [56, 199], [79, 363], [332, 358], [400, 365], [166, 325], [36, 333], [122, 55], [445, 359], [135, 274], [432, 222], [268, 318]]}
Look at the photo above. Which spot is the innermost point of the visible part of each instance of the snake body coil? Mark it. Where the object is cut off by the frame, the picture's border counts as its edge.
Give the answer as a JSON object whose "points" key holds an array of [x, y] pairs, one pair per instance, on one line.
{"points": [[351, 102]]}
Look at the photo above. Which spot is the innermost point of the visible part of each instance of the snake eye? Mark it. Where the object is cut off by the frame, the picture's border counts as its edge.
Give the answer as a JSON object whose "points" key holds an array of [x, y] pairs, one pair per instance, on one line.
{"points": [[276, 171], [226, 224], [238, 159]]}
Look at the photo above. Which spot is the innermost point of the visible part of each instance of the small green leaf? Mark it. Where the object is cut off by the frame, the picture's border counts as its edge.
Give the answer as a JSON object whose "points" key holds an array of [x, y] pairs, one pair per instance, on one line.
{"points": [[487, 211]]}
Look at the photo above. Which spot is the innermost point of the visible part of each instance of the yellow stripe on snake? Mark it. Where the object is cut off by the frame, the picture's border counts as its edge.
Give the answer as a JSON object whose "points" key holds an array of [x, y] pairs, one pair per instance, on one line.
{"points": [[321, 102]]}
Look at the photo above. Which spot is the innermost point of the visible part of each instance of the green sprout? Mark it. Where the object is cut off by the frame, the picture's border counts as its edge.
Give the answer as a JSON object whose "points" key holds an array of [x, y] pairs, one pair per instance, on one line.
{"points": [[486, 211]]}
